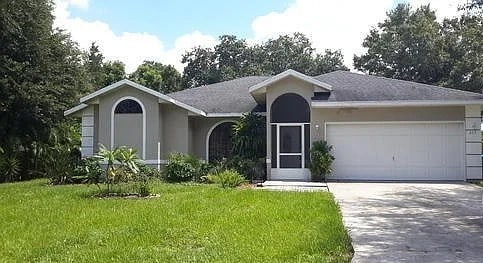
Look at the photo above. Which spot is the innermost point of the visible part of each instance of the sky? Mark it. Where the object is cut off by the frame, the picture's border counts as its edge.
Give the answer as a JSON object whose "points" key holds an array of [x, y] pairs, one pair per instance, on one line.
{"points": [[134, 31]]}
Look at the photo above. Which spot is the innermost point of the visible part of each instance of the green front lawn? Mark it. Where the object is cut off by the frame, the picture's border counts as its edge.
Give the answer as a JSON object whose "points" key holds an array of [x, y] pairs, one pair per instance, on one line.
{"points": [[187, 223]]}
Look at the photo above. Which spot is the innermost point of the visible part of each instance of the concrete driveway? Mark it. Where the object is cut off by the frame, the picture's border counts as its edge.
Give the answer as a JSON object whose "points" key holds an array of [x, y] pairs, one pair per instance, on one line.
{"points": [[413, 222]]}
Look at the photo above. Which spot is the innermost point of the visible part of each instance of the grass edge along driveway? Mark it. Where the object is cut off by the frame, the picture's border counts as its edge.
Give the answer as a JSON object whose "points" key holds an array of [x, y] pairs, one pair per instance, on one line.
{"points": [[187, 223]]}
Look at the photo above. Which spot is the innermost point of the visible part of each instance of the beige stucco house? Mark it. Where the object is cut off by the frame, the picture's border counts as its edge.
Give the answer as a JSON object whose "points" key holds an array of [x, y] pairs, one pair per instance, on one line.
{"points": [[381, 129]]}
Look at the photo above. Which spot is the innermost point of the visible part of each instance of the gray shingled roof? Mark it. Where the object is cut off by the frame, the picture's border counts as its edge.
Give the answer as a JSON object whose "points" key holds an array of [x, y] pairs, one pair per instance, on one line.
{"points": [[349, 86], [224, 97], [233, 96]]}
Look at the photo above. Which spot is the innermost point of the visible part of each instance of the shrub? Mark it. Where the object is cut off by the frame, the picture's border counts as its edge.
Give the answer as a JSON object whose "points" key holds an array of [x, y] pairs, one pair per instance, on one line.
{"points": [[227, 179], [321, 160], [183, 168], [89, 171], [9, 168], [249, 137], [122, 165], [250, 169]]}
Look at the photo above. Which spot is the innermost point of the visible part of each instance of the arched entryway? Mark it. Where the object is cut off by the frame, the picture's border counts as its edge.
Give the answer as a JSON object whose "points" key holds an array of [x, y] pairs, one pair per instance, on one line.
{"points": [[219, 141], [290, 137], [128, 124]]}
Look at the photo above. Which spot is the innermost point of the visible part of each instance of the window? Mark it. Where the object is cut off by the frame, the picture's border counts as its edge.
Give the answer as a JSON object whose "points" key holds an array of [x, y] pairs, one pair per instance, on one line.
{"points": [[290, 108], [220, 142], [128, 106]]}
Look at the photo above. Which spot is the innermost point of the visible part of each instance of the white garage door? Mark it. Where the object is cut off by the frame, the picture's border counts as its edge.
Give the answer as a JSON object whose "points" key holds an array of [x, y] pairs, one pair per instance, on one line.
{"points": [[397, 151]]}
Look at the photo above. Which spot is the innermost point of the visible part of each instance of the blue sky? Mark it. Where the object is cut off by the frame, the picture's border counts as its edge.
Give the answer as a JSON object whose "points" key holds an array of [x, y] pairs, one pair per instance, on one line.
{"points": [[133, 31]]}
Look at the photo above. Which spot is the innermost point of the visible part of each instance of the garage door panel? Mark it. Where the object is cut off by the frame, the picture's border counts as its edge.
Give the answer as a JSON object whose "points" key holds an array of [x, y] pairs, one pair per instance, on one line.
{"points": [[398, 151]]}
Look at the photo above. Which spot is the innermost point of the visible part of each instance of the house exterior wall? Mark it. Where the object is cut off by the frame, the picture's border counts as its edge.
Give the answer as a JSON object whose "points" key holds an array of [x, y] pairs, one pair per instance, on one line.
{"points": [[151, 106], [473, 142], [88, 128], [200, 127], [175, 130], [321, 116]]}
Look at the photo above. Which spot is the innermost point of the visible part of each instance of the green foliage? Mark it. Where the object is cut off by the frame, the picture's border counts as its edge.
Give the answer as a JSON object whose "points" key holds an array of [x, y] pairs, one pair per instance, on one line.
{"points": [[321, 160], [113, 71], [122, 165], [249, 137], [252, 170], [233, 58], [99, 72], [41, 71], [227, 179], [41, 76], [9, 168], [183, 168], [60, 156], [159, 77], [412, 45], [90, 171]]}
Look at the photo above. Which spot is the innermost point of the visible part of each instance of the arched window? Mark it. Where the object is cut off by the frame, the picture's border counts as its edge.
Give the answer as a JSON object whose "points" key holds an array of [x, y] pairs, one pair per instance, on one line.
{"points": [[128, 124], [220, 141], [128, 106], [290, 108]]}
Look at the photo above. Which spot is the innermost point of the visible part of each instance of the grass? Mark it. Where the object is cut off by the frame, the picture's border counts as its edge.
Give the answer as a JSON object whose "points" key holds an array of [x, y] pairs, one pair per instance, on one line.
{"points": [[187, 223]]}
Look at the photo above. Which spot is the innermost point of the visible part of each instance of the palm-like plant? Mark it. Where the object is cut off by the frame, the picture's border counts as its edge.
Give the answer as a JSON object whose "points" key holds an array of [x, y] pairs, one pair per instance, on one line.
{"points": [[119, 161], [249, 137]]}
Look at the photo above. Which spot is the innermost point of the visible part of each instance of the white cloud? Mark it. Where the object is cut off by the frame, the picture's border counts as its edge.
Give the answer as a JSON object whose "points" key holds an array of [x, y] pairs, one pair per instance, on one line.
{"points": [[444, 8], [334, 24], [132, 48]]}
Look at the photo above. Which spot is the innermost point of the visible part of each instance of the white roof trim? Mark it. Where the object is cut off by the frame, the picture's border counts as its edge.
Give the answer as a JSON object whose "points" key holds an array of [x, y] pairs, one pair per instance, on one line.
{"points": [[145, 89], [75, 109], [396, 103], [227, 114], [291, 73]]}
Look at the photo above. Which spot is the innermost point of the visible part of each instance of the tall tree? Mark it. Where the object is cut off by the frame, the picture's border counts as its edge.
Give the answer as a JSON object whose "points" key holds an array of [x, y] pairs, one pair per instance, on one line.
{"points": [[464, 47], [234, 58], [413, 45], [112, 71], [40, 73], [93, 64], [408, 45], [159, 77], [101, 73]]}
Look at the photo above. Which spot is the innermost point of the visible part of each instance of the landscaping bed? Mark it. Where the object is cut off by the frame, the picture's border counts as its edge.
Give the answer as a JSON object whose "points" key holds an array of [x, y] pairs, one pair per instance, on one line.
{"points": [[186, 223]]}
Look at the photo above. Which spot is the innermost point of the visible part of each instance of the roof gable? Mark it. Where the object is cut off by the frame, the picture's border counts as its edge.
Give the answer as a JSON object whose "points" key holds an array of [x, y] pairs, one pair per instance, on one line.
{"points": [[289, 73], [85, 100]]}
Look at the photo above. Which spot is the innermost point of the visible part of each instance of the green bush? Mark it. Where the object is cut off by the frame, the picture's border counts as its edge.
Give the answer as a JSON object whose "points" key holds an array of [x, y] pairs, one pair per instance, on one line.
{"points": [[321, 160], [250, 137], [227, 179], [251, 169], [9, 168], [89, 171], [183, 168]]}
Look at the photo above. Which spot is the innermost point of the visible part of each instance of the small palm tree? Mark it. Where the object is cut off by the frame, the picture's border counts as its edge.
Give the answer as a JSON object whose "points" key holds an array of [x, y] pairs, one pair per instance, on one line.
{"points": [[118, 160]]}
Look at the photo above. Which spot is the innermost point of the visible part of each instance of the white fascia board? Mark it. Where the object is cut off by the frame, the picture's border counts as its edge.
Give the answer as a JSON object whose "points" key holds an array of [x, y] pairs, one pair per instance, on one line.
{"points": [[75, 109], [227, 114], [144, 89], [397, 103], [231, 114], [288, 73]]}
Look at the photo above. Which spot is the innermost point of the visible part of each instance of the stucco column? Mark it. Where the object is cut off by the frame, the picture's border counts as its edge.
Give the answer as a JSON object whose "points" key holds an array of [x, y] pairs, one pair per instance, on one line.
{"points": [[473, 142], [87, 145]]}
